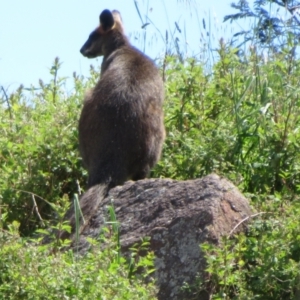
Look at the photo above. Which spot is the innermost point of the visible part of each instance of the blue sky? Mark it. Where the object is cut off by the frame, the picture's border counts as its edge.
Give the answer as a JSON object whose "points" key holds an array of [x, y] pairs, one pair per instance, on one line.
{"points": [[33, 33]]}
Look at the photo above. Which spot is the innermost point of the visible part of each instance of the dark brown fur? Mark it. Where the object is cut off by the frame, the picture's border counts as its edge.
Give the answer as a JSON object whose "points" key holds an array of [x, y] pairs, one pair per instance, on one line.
{"points": [[121, 124], [121, 129]]}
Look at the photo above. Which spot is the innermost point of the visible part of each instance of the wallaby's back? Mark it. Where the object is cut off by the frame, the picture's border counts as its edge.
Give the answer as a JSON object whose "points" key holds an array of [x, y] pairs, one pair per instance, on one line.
{"points": [[121, 129]]}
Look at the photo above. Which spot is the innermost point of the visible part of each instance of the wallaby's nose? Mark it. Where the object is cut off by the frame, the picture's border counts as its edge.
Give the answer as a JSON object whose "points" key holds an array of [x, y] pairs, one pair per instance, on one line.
{"points": [[82, 50], [86, 51]]}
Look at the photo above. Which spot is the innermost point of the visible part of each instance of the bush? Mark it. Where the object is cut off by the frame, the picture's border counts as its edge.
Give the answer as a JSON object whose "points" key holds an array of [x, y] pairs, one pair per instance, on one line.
{"points": [[40, 162], [28, 271], [241, 122], [263, 264]]}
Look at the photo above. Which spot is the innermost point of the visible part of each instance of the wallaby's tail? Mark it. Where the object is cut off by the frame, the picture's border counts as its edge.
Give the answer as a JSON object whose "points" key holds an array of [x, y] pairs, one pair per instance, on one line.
{"points": [[89, 203]]}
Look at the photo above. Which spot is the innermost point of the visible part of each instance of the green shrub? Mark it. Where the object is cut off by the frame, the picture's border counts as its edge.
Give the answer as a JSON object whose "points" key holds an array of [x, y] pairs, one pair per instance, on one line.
{"points": [[38, 147], [29, 271], [241, 122], [263, 264]]}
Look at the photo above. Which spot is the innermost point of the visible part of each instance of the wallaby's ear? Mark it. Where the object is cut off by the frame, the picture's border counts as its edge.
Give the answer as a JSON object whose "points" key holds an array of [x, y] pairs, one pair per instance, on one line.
{"points": [[117, 17], [106, 20]]}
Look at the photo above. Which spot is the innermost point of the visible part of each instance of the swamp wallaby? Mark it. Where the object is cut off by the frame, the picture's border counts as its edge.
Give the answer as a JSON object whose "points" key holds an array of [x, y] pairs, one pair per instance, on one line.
{"points": [[121, 129]]}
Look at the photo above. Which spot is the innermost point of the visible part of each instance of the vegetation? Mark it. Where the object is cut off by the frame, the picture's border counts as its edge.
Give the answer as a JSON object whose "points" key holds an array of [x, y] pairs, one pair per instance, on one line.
{"points": [[271, 30], [240, 120], [29, 271]]}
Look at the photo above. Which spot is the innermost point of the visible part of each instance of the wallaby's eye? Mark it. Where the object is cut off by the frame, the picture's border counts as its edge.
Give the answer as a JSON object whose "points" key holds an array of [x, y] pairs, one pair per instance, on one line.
{"points": [[94, 35]]}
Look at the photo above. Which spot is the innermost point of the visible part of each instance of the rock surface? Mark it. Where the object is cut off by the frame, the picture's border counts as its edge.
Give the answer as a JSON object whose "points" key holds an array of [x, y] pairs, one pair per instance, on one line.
{"points": [[178, 216]]}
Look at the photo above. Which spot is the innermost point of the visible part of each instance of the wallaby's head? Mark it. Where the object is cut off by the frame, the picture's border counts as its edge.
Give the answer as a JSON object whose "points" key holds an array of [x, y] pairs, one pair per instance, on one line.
{"points": [[107, 37]]}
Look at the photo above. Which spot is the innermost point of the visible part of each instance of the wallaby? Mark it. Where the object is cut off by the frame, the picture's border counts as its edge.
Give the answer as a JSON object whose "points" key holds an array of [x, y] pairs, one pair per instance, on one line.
{"points": [[121, 129]]}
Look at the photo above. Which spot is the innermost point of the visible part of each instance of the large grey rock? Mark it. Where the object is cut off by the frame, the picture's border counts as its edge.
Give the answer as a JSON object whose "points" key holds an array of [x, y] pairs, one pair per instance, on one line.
{"points": [[178, 216]]}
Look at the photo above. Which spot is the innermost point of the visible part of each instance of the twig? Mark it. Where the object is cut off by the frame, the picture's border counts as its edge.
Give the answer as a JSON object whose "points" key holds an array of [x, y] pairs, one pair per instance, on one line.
{"points": [[245, 219], [7, 100], [36, 209], [31, 193]]}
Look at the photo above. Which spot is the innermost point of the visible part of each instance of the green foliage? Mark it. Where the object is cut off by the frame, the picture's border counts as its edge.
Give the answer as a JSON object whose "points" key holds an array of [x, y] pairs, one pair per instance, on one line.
{"points": [[39, 159], [263, 264], [241, 122], [275, 24], [28, 271]]}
